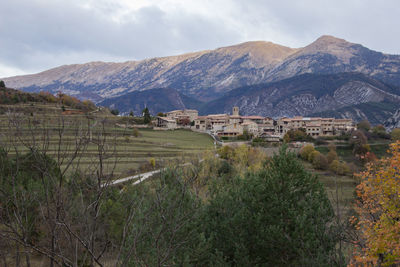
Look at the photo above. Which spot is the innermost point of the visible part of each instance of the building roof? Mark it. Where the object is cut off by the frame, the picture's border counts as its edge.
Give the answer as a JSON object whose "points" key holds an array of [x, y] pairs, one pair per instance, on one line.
{"points": [[175, 111], [252, 117], [166, 119]]}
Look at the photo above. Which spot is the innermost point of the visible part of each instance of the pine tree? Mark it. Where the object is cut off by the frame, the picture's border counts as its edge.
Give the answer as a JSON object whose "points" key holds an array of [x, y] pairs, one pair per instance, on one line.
{"points": [[146, 115], [278, 216]]}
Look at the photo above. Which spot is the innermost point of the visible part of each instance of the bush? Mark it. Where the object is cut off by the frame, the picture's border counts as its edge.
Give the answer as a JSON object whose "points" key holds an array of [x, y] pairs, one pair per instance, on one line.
{"points": [[395, 134], [364, 125], [115, 112], [305, 151], [136, 132], [225, 152], [152, 162], [312, 155], [2, 84], [320, 162], [297, 135], [331, 156], [340, 168], [245, 136]]}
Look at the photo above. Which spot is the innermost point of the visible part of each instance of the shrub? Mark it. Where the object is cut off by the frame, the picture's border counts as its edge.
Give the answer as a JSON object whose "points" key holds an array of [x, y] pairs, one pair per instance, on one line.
{"points": [[364, 125], [136, 132], [340, 168], [297, 135], [225, 152], [395, 134], [152, 162], [331, 156], [305, 151], [320, 162], [312, 155]]}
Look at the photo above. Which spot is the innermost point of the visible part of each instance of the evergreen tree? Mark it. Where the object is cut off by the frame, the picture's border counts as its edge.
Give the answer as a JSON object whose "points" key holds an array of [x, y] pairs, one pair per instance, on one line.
{"points": [[278, 216], [146, 115], [2, 84]]}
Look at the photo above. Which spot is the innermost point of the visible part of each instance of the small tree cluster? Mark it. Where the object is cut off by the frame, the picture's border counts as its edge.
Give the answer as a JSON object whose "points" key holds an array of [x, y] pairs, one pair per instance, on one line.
{"points": [[297, 135], [243, 157], [318, 160], [364, 125], [339, 167]]}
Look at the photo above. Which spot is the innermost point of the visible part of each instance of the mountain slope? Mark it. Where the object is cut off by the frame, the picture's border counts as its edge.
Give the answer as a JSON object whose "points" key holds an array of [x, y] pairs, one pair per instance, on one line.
{"points": [[203, 74], [333, 55], [156, 100], [307, 94], [394, 121], [207, 75]]}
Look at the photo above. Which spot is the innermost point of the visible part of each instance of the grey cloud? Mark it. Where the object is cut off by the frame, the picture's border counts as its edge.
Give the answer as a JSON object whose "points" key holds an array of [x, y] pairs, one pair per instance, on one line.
{"points": [[38, 34], [372, 23]]}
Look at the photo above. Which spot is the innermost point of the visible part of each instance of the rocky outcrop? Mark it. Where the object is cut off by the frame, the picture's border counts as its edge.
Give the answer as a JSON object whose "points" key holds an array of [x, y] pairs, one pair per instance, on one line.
{"points": [[394, 121]]}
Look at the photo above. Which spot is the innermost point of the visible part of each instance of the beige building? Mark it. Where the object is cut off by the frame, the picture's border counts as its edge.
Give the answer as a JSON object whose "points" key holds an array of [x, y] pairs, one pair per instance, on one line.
{"points": [[190, 114], [211, 123], [315, 126], [231, 130], [164, 122], [235, 124], [251, 127]]}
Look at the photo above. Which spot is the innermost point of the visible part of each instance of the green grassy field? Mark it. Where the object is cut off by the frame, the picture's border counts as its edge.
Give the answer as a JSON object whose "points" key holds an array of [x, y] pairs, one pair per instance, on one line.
{"points": [[124, 153]]}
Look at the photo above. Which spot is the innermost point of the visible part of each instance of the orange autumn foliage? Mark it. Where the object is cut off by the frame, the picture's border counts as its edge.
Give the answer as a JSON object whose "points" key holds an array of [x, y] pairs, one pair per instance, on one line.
{"points": [[378, 209]]}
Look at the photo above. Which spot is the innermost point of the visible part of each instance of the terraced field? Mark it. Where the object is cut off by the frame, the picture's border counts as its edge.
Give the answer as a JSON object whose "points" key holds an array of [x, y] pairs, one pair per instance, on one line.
{"points": [[81, 141]]}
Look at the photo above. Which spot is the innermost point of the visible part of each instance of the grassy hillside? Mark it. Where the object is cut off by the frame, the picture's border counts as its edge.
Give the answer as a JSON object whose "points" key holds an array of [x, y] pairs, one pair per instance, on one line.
{"points": [[42, 126], [9, 96]]}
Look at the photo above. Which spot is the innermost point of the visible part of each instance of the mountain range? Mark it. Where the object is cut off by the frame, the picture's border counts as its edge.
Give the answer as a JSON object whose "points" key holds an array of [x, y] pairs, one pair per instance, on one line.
{"points": [[329, 76]]}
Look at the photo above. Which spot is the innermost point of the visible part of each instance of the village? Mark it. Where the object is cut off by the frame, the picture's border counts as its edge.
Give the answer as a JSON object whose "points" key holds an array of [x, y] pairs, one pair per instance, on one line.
{"points": [[225, 125]]}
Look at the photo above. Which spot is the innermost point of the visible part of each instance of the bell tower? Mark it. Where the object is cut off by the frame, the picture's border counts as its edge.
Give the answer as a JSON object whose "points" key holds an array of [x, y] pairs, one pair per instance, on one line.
{"points": [[235, 111]]}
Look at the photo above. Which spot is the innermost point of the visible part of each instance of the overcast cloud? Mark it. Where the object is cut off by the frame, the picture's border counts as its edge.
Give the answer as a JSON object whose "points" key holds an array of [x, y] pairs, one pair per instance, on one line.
{"points": [[39, 34]]}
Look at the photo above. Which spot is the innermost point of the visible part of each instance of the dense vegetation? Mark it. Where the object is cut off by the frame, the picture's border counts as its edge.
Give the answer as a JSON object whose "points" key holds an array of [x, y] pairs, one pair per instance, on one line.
{"points": [[11, 96], [278, 214]]}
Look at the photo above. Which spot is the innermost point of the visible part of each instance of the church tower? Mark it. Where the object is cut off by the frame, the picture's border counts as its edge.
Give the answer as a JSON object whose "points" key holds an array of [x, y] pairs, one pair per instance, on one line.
{"points": [[235, 111]]}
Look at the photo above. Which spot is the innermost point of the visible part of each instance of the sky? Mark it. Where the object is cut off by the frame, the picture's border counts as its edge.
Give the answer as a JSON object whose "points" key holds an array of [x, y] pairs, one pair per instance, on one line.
{"points": [[36, 35]]}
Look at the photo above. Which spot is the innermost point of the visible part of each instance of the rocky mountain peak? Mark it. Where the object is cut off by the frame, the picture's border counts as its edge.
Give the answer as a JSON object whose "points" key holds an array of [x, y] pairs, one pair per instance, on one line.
{"points": [[328, 44]]}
